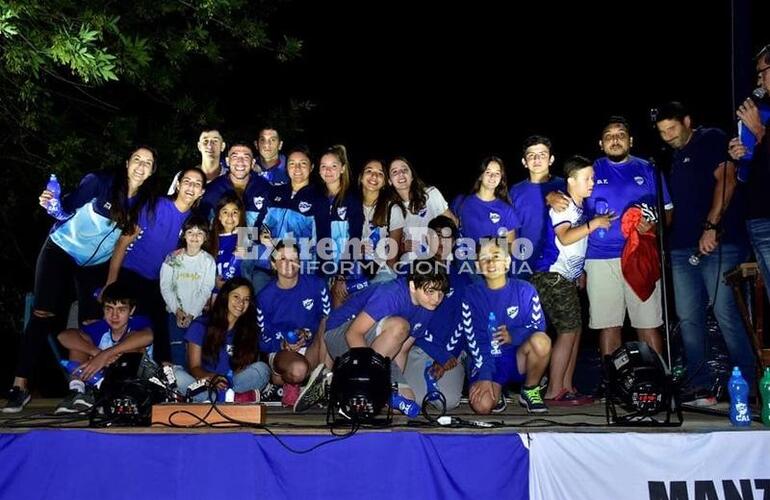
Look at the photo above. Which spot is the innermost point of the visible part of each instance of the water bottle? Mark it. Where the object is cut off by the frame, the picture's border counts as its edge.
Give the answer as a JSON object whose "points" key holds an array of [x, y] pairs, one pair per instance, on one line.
{"points": [[53, 206], [492, 328], [602, 208], [431, 384], [291, 337], [374, 237], [740, 413], [764, 391], [73, 368]]}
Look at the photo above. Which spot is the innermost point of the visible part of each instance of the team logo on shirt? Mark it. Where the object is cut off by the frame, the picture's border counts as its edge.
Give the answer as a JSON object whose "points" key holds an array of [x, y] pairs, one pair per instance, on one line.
{"points": [[259, 201], [501, 231], [307, 304], [494, 217], [342, 212], [599, 182], [417, 327], [639, 180], [107, 205], [512, 311], [423, 212], [229, 349], [304, 206], [276, 199], [449, 293]]}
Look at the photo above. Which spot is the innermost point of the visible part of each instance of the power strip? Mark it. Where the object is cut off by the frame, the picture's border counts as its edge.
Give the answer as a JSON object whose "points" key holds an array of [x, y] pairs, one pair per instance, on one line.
{"points": [[195, 414]]}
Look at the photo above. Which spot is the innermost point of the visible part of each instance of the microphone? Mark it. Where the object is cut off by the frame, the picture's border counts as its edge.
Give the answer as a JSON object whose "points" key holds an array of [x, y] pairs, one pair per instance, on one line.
{"points": [[695, 258], [758, 94]]}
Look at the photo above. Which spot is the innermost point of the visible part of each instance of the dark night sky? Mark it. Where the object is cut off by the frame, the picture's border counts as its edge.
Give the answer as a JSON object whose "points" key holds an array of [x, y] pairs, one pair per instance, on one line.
{"points": [[447, 86]]}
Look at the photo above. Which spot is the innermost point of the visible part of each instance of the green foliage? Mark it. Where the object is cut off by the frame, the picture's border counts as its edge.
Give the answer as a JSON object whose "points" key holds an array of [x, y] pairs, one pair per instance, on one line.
{"points": [[81, 81]]}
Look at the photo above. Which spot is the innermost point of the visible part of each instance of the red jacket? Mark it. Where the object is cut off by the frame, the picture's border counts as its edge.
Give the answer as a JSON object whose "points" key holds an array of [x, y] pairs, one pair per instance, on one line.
{"points": [[639, 262]]}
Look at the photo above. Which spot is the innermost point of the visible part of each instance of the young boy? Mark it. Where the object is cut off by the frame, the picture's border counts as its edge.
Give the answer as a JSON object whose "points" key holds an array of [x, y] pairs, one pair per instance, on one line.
{"points": [[529, 198], [510, 346], [555, 276], [389, 318], [99, 344]]}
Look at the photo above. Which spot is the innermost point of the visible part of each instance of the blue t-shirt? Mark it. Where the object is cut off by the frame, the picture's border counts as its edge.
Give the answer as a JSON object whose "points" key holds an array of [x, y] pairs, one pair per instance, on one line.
{"points": [[346, 222], [516, 305], [196, 333], [528, 200], [479, 218], [692, 186], [303, 215], [228, 265], [88, 235], [379, 301], [158, 236], [445, 337], [277, 174], [621, 186], [255, 197], [98, 329], [280, 311]]}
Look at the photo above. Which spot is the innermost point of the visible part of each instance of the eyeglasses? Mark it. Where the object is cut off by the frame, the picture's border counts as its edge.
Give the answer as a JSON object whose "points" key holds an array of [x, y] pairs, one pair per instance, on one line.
{"points": [[760, 71]]}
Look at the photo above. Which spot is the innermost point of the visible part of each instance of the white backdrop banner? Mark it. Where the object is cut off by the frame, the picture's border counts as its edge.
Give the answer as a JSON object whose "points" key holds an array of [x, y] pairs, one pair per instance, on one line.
{"points": [[634, 466]]}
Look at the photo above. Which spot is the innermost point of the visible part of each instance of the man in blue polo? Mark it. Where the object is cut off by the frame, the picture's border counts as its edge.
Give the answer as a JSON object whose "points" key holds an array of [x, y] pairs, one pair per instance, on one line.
{"points": [[270, 163], [621, 182], [711, 228]]}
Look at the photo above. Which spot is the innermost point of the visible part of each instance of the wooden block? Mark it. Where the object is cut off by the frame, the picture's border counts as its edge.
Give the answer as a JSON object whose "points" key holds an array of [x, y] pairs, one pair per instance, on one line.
{"points": [[191, 414]]}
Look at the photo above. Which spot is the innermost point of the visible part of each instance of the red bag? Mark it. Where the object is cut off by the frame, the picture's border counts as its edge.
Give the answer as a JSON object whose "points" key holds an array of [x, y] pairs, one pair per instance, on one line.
{"points": [[639, 261]]}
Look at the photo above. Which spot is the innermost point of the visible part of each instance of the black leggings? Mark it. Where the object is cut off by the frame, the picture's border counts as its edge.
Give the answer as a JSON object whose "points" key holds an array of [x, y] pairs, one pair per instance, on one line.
{"points": [[58, 280], [150, 303]]}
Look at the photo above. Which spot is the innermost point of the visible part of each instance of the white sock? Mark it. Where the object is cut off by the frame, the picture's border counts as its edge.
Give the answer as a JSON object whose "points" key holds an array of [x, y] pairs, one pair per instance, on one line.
{"points": [[77, 385]]}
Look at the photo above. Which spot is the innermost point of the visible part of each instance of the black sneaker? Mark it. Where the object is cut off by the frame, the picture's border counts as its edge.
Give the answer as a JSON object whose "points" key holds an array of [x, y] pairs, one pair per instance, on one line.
{"points": [[531, 399], [271, 395], [501, 405], [314, 391], [17, 400], [76, 402]]}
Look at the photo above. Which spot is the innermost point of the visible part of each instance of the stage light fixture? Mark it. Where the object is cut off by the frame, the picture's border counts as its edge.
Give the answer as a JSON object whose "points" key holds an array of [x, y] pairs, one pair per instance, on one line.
{"points": [[360, 388]]}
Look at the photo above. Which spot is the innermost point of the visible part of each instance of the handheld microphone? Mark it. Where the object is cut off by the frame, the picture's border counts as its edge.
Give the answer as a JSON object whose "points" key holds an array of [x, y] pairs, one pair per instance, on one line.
{"points": [[758, 94], [695, 258]]}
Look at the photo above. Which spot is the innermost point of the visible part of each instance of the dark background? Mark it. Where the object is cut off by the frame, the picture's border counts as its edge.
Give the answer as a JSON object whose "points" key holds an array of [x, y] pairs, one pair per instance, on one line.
{"points": [[446, 86]]}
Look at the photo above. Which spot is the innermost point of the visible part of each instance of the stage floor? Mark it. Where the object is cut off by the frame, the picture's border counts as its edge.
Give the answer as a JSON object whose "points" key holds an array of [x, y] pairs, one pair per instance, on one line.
{"points": [[588, 418]]}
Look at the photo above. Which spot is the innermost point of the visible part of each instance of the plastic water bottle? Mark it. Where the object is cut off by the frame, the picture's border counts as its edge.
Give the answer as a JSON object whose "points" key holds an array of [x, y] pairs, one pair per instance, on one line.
{"points": [[291, 337], [492, 328], [764, 391], [740, 413], [73, 368], [431, 384], [53, 206], [602, 208]]}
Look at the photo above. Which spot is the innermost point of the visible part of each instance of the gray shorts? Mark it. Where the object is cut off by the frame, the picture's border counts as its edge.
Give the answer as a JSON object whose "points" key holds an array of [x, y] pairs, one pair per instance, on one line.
{"points": [[337, 345]]}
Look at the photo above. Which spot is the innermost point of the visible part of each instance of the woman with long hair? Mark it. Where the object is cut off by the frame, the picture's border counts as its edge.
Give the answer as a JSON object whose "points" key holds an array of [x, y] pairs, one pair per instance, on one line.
{"points": [[346, 219], [421, 203], [487, 210], [222, 346], [141, 250], [383, 221], [76, 252]]}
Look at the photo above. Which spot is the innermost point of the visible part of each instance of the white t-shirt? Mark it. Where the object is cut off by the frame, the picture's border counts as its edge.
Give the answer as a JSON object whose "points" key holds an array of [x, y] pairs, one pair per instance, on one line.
{"points": [[415, 225], [569, 262]]}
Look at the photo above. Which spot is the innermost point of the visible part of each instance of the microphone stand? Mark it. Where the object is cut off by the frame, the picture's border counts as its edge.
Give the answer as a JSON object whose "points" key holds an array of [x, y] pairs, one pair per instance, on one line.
{"points": [[661, 237]]}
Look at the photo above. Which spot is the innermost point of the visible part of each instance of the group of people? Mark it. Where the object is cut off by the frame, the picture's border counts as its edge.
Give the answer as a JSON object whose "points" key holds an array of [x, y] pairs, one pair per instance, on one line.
{"points": [[253, 273]]}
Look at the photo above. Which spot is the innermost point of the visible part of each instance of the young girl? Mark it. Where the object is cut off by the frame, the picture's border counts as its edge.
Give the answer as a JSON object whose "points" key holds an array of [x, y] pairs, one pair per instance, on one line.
{"points": [[346, 218], [77, 250], [230, 215], [224, 343], [487, 211], [141, 251], [186, 280], [292, 311], [380, 223], [421, 203]]}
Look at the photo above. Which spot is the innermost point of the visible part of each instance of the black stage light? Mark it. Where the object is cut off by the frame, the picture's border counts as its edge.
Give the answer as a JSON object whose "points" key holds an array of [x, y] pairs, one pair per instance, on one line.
{"points": [[638, 380], [360, 388]]}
